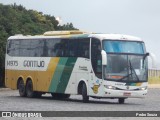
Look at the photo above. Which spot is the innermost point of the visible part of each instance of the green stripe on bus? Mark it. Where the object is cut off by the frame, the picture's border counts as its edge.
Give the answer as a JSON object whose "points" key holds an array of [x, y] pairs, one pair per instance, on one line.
{"points": [[66, 75], [57, 74]]}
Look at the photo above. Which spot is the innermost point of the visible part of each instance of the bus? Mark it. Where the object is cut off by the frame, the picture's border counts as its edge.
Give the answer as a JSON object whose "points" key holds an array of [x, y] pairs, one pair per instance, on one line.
{"points": [[65, 63]]}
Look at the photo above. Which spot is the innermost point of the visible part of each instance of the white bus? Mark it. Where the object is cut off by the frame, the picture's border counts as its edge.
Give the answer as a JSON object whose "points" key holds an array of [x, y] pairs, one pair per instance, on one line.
{"points": [[66, 63]]}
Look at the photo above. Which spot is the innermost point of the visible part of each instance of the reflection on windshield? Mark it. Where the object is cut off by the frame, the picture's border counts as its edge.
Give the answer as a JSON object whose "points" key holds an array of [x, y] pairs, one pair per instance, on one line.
{"points": [[125, 67], [123, 47]]}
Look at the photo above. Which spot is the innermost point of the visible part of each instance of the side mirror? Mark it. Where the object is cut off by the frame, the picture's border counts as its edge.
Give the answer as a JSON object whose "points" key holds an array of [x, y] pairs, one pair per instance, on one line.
{"points": [[144, 57], [104, 57]]}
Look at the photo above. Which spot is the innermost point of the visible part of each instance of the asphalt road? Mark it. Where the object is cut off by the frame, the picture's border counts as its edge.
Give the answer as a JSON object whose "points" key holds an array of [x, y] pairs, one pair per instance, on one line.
{"points": [[11, 101]]}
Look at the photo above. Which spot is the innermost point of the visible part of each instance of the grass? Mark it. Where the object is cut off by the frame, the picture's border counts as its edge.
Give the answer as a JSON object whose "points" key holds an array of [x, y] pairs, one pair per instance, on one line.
{"points": [[154, 80]]}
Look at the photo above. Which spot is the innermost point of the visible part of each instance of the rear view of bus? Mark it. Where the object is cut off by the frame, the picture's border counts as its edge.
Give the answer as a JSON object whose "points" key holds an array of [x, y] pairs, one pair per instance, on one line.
{"points": [[125, 67]]}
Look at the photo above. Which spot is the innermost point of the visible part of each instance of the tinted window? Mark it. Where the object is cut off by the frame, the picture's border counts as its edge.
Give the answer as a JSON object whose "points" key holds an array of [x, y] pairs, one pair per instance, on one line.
{"points": [[73, 45], [51, 50], [34, 52], [13, 48], [56, 47], [62, 48], [24, 47], [96, 57], [67, 48], [40, 48], [49, 47], [31, 48], [83, 48], [9, 47], [79, 47]]}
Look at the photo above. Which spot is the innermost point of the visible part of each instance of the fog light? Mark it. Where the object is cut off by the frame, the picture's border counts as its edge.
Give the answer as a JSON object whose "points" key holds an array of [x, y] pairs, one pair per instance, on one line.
{"points": [[143, 88]]}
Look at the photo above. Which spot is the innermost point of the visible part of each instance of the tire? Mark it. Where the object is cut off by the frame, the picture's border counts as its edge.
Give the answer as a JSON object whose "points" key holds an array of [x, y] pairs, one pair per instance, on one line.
{"points": [[60, 96], [85, 97], [121, 100], [21, 88], [29, 89]]}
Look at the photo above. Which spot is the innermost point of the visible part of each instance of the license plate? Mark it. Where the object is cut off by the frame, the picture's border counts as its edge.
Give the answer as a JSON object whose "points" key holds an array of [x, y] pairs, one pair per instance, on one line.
{"points": [[126, 94]]}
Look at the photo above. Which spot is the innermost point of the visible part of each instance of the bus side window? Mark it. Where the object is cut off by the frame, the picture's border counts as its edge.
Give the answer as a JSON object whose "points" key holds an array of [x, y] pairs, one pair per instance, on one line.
{"points": [[36, 48], [96, 57], [41, 48], [13, 48], [83, 47], [9, 45], [33, 48], [59, 48], [72, 46], [24, 48], [78, 47]]}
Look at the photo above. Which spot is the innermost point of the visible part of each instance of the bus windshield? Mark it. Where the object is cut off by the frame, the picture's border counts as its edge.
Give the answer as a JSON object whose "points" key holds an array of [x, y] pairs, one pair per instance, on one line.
{"points": [[125, 61], [123, 47]]}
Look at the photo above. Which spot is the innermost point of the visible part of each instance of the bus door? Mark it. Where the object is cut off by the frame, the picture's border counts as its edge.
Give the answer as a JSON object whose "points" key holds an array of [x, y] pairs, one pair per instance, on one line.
{"points": [[96, 71]]}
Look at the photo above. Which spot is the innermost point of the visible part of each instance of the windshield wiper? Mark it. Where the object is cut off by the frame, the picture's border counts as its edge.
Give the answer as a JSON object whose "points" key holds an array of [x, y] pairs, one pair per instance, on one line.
{"points": [[132, 69]]}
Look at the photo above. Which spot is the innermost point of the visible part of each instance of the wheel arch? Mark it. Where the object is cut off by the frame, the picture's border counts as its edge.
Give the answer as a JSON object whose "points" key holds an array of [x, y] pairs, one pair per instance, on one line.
{"points": [[18, 80], [29, 78], [80, 84]]}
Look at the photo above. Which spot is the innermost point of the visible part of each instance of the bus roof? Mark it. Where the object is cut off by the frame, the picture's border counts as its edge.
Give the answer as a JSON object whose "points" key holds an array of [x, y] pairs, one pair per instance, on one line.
{"points": [[77, 34], [116, 37]]}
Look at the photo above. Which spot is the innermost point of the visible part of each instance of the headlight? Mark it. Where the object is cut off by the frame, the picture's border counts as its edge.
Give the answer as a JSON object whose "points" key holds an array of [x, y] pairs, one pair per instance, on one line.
{"points": [[143, 88], [110, 87]]}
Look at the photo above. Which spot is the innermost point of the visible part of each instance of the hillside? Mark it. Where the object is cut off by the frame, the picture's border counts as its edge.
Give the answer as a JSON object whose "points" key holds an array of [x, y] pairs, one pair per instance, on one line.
{"points": [[15, 19]]}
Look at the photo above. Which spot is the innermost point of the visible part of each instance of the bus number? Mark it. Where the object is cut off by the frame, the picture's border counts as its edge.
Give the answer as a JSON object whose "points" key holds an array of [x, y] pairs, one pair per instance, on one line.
{"points": [[12, 63]]}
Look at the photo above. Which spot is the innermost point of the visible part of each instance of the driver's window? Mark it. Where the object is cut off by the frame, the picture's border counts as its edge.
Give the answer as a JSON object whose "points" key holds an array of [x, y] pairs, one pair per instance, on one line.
{"points": [[96, 57]]}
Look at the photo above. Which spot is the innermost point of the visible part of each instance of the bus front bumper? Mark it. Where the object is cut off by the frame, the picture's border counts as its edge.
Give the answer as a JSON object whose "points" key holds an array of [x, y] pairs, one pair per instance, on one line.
{"points": [[125, 93]]}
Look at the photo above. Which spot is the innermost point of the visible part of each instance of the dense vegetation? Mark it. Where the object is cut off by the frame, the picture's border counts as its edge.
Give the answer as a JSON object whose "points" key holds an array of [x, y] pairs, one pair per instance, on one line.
{"points": [[15, 19]]}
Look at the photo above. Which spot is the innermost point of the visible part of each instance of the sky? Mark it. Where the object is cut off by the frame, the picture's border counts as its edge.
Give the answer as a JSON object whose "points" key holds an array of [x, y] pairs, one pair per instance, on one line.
{"points": [[139, 18]]}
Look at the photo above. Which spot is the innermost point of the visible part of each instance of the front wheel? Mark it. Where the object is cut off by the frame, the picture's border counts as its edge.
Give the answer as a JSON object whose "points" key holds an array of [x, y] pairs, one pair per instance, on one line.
{"points": [[121, 100], [85, 97]]}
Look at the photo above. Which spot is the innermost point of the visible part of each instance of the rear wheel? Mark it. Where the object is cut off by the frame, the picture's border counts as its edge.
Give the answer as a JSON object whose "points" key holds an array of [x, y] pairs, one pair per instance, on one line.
{"points": [[29, 89], [21, 87], [85, 97], [121, 100]]}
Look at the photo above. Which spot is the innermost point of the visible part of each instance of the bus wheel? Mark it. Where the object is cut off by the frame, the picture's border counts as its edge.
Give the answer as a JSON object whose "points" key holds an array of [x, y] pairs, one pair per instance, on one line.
{"points": [[29, 89], [85, 98], [21, 87], [121, 100]]}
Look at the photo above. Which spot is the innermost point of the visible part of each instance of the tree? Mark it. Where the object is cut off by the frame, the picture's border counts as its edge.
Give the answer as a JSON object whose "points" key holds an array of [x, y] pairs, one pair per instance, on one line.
{"points": [[15, 19]]}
